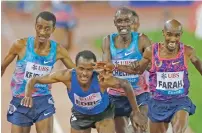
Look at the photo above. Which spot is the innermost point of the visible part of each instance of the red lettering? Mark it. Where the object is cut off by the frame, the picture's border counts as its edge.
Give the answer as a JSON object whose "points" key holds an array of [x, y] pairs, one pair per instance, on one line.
{"points": [[173, 75]]}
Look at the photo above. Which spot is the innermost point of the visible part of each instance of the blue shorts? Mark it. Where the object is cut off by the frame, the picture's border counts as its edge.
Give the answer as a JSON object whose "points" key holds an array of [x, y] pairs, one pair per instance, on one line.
{"points": [[66, 24], [43, 107], [163, 111], [122, 105]]}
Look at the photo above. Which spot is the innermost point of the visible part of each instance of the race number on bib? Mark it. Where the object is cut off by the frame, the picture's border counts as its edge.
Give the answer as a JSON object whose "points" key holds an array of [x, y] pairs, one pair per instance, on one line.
{"points": [[89, 101], [36, 70], [170, 83]]}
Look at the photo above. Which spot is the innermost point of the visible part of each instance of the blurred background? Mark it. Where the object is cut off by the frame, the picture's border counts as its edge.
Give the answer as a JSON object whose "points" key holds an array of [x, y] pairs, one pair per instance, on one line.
{"points": [[86, 23]]}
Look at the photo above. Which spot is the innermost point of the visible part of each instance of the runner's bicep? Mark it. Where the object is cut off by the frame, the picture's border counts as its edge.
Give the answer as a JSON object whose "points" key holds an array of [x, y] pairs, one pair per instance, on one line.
{"points": [[106, 50], [196, 62], [147, 57], [51, 78], [11, 55], [65, 58]]}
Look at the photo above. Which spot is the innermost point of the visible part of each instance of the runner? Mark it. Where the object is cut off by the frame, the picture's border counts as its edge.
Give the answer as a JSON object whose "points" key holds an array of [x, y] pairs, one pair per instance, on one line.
{"points": [[35, 57], [87, 92], [122, 48]]}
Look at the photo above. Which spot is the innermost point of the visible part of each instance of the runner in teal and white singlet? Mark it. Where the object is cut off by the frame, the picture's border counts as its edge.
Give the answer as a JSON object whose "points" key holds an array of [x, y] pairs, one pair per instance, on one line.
{"points": [[122, 48], [35, 57]]}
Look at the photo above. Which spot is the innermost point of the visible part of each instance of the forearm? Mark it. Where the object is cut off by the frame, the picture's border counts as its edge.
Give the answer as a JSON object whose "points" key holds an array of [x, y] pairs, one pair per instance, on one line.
{"points": [[30, 87], [2, 70], [198, 66], [130, 94], [6, 63], [126, 69]]}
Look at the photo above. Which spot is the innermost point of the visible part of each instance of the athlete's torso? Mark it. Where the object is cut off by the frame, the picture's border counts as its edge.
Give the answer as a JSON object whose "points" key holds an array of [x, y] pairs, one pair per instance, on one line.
{"points": [[32, 65], [168, 77], [124, 57], [88, 102]]}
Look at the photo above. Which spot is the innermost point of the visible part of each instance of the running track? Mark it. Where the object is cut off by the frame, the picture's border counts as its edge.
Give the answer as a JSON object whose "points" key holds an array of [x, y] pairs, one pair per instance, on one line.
{"points": [[15, 26]]}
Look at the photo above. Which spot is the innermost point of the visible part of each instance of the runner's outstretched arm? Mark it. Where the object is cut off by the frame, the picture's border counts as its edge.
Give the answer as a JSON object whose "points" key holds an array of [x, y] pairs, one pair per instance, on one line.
{"points": [[138, 67], [59, 76]]}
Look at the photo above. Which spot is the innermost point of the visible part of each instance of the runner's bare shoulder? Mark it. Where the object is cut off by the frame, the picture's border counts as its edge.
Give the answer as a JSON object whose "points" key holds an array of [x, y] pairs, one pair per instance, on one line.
{"points": [[145, 36], [189, 50], [19, 44], [148, 53]]}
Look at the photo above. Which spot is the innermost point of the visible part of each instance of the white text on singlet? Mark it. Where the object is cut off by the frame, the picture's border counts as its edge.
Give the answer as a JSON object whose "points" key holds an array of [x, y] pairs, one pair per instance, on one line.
{"points": [[89, 101]]}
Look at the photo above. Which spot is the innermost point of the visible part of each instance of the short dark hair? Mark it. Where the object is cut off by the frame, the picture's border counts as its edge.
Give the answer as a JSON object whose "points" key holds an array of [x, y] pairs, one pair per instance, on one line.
{"points": [[86, 54], [48, 16], [134, 14]]}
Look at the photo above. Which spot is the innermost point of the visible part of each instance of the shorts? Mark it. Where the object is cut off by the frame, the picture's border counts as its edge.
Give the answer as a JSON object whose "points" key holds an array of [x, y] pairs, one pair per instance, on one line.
{"points": [[81, 121], [163, 111], [122, 105], [43, 107]]}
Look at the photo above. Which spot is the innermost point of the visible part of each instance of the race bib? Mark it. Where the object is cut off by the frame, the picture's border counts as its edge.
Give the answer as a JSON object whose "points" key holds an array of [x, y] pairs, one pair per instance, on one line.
{"points": [[170, 83], [36, 70], [89, 101], [124, 75], [132, 78]]}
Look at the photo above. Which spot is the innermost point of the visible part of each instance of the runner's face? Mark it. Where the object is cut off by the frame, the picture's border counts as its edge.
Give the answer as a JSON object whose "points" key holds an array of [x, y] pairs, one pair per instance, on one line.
{"points": [[172, 38], [123, 23], [44, 29], [84, 70]]}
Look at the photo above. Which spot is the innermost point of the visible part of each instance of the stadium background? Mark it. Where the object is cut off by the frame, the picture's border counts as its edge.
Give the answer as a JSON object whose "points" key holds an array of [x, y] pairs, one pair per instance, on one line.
{"points": [[95, 20]]}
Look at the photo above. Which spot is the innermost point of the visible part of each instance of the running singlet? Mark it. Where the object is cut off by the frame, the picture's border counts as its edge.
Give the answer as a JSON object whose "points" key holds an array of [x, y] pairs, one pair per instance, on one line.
{"points": [[168, 77], [33, 65], [88, 102], [125, 57]]}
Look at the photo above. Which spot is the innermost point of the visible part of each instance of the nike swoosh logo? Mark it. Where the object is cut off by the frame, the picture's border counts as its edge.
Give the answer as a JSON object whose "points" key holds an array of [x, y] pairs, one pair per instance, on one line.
{"points": [[126, 54], [173, 63], [45, 114], [45, 62]]}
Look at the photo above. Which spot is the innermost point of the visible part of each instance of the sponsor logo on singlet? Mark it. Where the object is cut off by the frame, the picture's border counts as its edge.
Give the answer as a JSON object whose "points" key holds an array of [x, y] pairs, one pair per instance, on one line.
{"points": [[36, 70], [123, 75], [89, 101], [170, 83]]}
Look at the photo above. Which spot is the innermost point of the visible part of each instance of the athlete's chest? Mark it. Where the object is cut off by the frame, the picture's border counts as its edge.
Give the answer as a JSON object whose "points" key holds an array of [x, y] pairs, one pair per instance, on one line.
{"points": [[43, 52], [167, 56]]}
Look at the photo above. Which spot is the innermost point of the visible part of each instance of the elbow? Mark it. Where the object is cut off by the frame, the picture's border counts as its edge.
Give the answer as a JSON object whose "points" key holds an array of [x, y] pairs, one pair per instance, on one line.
{"points": [[2, 70]]}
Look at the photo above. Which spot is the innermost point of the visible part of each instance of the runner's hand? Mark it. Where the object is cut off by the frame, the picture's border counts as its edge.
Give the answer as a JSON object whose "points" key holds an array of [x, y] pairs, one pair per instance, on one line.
{"points": [[135, 65], [108, 66], [140, 121], [27, 102]]}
